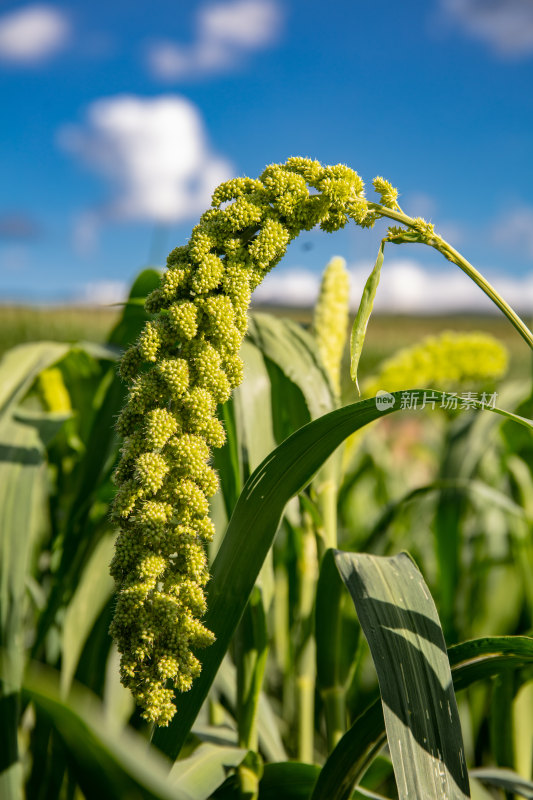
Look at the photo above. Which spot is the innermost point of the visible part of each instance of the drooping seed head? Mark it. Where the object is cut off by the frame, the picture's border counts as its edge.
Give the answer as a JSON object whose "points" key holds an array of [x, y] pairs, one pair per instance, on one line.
{"points": [[183, 365]]}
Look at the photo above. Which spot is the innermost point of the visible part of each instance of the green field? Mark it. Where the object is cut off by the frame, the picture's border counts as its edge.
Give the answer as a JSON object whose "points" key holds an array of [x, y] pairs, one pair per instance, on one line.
{"points": [[386, 333], [293, 683]]}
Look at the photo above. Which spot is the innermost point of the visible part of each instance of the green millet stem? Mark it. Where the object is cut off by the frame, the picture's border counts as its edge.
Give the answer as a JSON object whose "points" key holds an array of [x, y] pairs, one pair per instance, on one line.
{"points": [[306, 659], [451, 254], [184, 364]]}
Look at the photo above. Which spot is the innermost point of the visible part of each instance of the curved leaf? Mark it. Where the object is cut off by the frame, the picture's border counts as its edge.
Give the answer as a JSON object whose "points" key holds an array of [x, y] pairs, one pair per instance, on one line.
{"points": [[205, 770], [362, 317], [248, 538], [22, 482], [471, 661], [488, 656], [504, 779], [92, 593], [289, 780], [284, 473], [295, 352], [401, 624], [105, 764]]}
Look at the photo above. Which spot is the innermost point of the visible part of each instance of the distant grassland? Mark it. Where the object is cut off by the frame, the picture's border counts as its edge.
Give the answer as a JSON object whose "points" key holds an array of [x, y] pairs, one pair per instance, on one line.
{"points": [[386, 334], [20, 324]]}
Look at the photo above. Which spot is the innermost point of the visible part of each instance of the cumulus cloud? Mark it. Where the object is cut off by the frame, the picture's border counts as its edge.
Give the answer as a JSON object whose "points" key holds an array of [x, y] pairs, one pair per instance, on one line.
{"points": [[102, 293], [515, 230], [225, 33], [32, 34], [407, 287], [505, 25], [155, 154], [293, 287]]}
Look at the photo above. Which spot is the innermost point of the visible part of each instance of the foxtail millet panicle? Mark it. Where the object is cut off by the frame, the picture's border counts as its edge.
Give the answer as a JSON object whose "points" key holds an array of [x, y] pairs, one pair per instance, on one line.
{"points": [[184, 363]]}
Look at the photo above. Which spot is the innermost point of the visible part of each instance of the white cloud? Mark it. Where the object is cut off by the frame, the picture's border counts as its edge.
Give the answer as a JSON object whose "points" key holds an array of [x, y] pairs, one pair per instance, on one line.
{"points": [[505, 25], [32, 34], [102, 293], [243, 23], [515, 230], [225, 32], [155, 153], [292, 287], [406, 286]]}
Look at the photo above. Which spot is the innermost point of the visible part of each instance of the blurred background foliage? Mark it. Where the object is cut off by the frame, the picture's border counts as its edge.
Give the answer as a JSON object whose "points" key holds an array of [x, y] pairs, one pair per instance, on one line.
{"points": [[454, 488]]}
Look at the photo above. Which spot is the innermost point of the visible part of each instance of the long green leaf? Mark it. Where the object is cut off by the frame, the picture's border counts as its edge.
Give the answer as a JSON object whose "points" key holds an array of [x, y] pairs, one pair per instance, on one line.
{"points": [[284, 473], [366, 305], [400, 621], [205, 770], [294, 351], [93, 592], [504, 779], [290, 780], [471, 661], [21, 505], [248, 538], [488, 656], [107, 765]]}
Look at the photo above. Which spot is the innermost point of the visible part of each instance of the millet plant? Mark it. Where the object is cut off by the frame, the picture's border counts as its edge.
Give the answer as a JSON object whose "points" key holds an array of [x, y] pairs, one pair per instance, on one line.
{"points": [[313, 500], [183, 365]]}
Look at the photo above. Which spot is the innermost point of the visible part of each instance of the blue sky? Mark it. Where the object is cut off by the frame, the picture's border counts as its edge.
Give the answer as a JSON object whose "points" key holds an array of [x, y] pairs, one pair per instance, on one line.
{"points": [[119, 118]]}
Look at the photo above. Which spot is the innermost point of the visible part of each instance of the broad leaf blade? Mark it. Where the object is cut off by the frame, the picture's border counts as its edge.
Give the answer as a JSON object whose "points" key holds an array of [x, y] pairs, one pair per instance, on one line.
{"points": [[205, 770], [352, 756], [400, 621], [290, 780], [248, 538], [295, 352], [105, 764], [21, 504], [93, 591], [471, 661], [253, 525], [489, 656], [504, 779]]}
